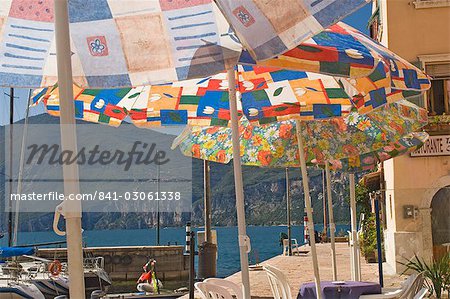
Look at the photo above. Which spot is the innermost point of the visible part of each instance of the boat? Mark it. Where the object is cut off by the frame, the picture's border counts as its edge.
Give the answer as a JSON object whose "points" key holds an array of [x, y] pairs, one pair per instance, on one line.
{"points": [[12, 285], [33, 273], [17, 289], [51, 285], [36, 272]]}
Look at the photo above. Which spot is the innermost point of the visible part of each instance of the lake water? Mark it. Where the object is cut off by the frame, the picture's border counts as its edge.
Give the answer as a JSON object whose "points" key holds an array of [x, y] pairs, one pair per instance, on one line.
{"points": [[264, 240]]}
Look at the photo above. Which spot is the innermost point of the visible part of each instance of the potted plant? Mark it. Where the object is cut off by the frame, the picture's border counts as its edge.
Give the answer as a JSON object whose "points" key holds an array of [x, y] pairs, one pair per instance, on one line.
{"points": [[437, 273], [368, 240]]}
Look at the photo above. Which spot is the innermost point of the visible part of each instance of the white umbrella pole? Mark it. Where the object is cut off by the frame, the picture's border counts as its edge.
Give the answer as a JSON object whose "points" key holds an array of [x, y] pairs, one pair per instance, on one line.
{"points": [[354, 241], [331, 220], [308, 208], [288, 213], [20, 174], [244, 241], [72, 209]]}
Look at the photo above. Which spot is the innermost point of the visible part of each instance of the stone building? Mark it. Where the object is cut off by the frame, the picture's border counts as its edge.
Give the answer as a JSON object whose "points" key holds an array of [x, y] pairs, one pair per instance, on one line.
{"points": [[417, 197]]}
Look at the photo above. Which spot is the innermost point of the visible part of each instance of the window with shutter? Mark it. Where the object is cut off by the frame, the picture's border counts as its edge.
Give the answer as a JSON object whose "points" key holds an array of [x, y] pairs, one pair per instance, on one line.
{"points": [[438, 70], [438, 97]]}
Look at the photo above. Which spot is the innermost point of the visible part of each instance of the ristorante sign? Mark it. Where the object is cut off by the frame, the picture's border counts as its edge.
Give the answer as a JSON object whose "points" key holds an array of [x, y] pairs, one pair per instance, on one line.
{"points": [[435, 146]]}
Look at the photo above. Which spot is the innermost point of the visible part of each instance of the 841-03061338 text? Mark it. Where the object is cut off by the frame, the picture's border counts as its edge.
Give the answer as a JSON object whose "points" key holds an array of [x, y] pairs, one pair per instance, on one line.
{"points": [[100, 196]]}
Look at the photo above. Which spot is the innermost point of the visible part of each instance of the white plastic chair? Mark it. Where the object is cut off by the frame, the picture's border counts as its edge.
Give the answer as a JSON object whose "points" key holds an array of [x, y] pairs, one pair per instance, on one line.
{"points": [[421, 294], [229, 285], [278, 283], [294, 245], [410, 287], [414, 287], [212, 291]]}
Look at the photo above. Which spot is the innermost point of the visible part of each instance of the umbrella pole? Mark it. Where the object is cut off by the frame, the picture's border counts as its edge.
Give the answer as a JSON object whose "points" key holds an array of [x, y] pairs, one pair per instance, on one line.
{"points": [[324, 205], [207, 199], [288, 212], [72, 209], [244, 241], [354, 239], [158, 213], [379, 243], [10, 173], [308, 208], [20, 174], [331, 220]]}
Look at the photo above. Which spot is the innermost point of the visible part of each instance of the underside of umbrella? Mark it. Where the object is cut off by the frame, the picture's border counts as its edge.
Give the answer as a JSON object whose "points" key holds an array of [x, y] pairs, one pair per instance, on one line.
{"points": [[267, 95], [275, 145], [131, 43]]}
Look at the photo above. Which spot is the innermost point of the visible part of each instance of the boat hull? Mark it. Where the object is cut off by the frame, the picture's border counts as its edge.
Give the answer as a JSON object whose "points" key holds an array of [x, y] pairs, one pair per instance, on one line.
{"points": [[20, 291]]}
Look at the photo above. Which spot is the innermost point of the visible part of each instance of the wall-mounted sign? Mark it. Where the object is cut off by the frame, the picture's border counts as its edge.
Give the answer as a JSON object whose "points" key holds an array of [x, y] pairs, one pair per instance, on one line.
{"points": [[438, 145]]}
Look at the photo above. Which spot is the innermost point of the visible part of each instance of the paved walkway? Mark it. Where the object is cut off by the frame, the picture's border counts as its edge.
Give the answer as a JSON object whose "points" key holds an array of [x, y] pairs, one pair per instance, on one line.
{"points": [[298, 270]]}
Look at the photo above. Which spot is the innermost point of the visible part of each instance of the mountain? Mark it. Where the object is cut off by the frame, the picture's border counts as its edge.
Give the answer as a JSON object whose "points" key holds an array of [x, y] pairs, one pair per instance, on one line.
{"points": [[265, 188]]}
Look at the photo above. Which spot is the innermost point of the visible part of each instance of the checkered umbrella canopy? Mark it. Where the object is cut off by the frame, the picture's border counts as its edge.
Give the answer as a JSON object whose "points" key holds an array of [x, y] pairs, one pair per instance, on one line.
{"points": [[341, 50], [141, 42], [267, 95], [365, 75]]}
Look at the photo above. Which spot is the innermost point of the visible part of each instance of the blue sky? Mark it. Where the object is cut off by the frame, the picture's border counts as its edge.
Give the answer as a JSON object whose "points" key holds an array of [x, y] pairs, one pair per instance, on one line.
{"points": [[357, 20]]}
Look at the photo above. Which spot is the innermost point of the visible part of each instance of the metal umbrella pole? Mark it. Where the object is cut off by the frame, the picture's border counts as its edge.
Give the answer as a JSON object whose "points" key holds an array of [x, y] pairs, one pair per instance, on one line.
{"points": [[72, 209], [207, 250], [356, 275], [288, 212], [207, 199], [11, 136], [308, 207], [331, 221], [244, 241], [379, 242], [324, 204], [158, 213], [21, 166]]}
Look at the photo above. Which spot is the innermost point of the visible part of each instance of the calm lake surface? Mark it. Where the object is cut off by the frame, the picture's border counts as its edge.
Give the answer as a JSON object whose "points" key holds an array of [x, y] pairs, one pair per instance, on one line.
{"points": [[265, 241]]}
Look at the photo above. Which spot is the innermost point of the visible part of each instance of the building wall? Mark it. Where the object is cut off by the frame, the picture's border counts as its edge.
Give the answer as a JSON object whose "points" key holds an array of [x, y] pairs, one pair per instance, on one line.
{"points": [[412, 32], [412, 181]]}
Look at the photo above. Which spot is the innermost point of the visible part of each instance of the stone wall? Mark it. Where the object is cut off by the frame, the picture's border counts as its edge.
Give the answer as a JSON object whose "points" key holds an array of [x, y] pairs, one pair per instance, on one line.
{"points": [[125, 263]]}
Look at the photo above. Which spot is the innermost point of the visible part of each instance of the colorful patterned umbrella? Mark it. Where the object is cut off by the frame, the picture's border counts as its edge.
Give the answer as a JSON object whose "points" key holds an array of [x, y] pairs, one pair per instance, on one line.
{"points": [[275, 98], [275, 145], [267, 95], [370, 160], [341, 50], [131, 43], [353, 143]]}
